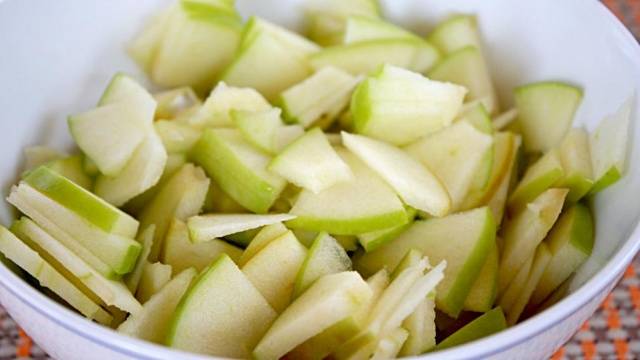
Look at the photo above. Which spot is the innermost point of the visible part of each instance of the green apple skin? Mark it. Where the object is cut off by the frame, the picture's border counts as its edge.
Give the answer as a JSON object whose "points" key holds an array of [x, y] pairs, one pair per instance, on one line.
{"points": [[372, 240], [540, 176], [238, 169], [222, 314], [71, 168], [489, 323]]}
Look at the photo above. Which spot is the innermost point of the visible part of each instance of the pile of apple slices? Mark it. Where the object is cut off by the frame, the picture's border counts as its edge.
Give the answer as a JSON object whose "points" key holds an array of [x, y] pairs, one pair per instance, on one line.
{"points": [[361, 198]]}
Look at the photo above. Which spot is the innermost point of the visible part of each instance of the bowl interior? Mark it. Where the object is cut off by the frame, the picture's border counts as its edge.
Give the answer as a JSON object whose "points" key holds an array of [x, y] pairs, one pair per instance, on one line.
{"points": [[58, 56]]}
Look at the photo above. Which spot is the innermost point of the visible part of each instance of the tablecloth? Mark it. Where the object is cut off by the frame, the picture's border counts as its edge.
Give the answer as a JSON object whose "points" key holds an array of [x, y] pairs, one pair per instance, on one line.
{"points": [[612, 333]]}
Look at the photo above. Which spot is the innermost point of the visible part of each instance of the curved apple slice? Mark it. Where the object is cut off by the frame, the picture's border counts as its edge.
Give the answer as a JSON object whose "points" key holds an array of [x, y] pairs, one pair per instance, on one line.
{"points": [[207, 227]]}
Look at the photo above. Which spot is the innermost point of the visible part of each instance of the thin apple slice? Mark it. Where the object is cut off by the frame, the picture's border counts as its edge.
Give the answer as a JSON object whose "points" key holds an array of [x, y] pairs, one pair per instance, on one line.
{"points": [[144, 46], [154, 277], [541, 260], [259, 128], [262, 239], [463, 240], [285, 136], [72, 267], [298, 45], [181, 196], [273, 269], [238, 168], [455, 33], [570, 242], [503, 120], [609, 144], [525, 230], [539, 177], [132, 279], [363, 28], [208, 227], [454, 155], [71, 168], [489, 323], [510, 295], [217, 201], [483, 293], [400, 106], [327, 19], [48, 277], [174, 102], [311, 163], [181, 253], [364, 204], [545, 113], [176, 137], [326, 256], [152, 322], [498, 200], [222, 314], [575, 157], [414, 183], [421, 328], [328, 301], [372, 240], [390, 345]]}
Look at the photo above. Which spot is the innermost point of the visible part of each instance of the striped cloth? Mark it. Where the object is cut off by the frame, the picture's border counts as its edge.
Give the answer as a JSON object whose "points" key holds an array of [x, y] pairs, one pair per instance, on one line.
{"points": [[612, 333]]}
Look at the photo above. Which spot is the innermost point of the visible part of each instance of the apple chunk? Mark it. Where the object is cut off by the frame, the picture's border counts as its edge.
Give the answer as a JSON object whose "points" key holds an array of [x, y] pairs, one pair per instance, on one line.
{"points": [[485, 289], [262, 239], [489, 323], [361, 28], [575, 156], [455, 33], [540, 176], [207, 227]]}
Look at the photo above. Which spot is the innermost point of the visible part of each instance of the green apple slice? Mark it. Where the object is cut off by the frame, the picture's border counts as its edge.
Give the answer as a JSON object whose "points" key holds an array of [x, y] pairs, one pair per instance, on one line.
{"points": [[478, 117], [609, 147], [154, 277], [327, 19], [49, 277], [467, 67], [364, 204], [390, 345], [464, 240], [364, 57], [541, 260], [498, 200], [363, 28], [238, 168], [570, 243], [311, 163], [286, 135], [181, 253], [540, 176], [222, 314], [475, 113], [176, 137], [153, 321], [326, 342], [525, 230], [273, 269], [326, 256], [575, 157], [34, 156], [414, 183], [259, 127], [298, 45], [71, 168], [319, 98], [454, 155], [489, 323], [81, 202], [125, 113], [145, 45], [207, 227], [216, 110], [109, 253], [132, 279], [78, 272], [483, 293], [217, 201], [172, 103], [262, 239], [421, 327], [545, 113], [372, 240], [141, 172], [400, 106], [509, 296], [455, 33], [181, 196], [328, 301]]}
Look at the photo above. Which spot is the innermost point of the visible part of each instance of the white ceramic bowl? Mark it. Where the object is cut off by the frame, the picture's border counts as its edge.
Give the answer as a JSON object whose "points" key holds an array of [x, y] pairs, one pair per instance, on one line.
{"points": [[57, 56]]}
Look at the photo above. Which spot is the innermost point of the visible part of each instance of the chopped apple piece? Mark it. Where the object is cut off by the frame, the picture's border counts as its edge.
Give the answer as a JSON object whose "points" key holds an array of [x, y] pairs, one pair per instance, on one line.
{"points": [[217, 201], [208, 227], [575, 157], [327, 19], [132, 279], [475, 113], [154, 277], [455, 33], [540, 176], [372, 240], [489, 323], [540, 261], [510, 295], [72, 168], [259, 128], [262, 239], [326, 342], [176, 137], [483, 293], [390, 345], [363, 28], [285, 136], [498, 200], [172, 103], [421, 327], [222, 314], [297, 44]]}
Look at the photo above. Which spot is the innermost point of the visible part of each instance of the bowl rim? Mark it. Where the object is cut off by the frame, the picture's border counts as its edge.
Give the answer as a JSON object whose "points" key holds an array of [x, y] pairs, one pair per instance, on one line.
{"points": [[482, 348]]}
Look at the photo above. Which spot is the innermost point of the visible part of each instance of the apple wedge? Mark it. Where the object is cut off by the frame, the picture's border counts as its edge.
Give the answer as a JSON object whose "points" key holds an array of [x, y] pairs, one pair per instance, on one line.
{"points": [[362, 28], [181, 253], [311, 163], [372, 240], [325, 256], [259, 128], [390, 345], [455, 33], [414, 183], [575, 157], [421, 327], [364, 204], [525, 230], [154, 277], [609, 147], [273, 269], [298, 45], [545, 113], [176, 137], [222, 314], [152, 322], [48, 277], [328, 301], [72, 169], [208, 227], [510, 295], [145, 238], [262, 239], [181, 196], [217, 201], [174, 102], [399, 106], [489, 323], [570, 242], [542, 175], [464, 240], [483, 293], [326, 20], [238, 168]]}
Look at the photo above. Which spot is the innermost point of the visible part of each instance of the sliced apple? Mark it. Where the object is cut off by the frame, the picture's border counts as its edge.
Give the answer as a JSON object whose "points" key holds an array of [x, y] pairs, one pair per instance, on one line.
{"points": [[71, 168], [176, 137], [421, 327], [570, 243], [575, 157], [363, 28], [390, 345], [174, 102], [400, 106], [238, 168], [259, 128], [455, 33], [326, 342], [145, 238], [541, 260], [152, 322], [510, 295], [525, 230], [327, 19], [483, 293], [222, 314], [154, 277], [454, 155], [217, 201], [328, 301], [48, 277], [181, 196], [489, 323], [208, 227], [540, 176], [286, 135], [262, 239], [298, 45], [505, 119], [464, 240], [364, 204], [498, 200], [372, 240]]}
